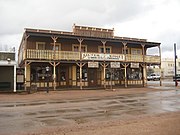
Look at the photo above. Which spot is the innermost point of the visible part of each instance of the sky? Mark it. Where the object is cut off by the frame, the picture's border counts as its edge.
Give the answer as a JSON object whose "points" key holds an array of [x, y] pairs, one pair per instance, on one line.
{"points": [[154, 20]]}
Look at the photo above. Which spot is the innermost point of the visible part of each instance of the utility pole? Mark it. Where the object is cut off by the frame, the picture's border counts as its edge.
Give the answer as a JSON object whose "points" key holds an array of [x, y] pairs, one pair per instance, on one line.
{"points": [[175, 68]]}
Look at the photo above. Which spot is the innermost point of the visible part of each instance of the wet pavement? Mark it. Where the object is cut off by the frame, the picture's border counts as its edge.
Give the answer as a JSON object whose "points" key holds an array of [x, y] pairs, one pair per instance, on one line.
{"points": [[34, 115]]}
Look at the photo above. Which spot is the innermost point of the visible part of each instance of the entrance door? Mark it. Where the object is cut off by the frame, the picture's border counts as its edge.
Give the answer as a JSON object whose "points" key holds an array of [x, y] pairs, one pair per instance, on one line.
{"points": [[92, 77]]}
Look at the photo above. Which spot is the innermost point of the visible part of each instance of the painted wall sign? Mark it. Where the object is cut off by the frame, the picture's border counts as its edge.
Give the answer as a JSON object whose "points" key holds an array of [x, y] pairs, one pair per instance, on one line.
{"points": [[101, 56]]}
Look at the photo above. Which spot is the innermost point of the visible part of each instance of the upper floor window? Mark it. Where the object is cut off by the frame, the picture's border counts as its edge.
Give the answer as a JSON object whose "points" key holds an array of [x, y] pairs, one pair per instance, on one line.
{"points": [[136, 51], [75, 48], [57, 46], [40, 45], [127, 50], [108, 49]]}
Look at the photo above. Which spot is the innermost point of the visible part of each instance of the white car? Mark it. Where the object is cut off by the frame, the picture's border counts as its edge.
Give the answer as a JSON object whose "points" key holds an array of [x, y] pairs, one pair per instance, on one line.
{"points": [[153, 77]]}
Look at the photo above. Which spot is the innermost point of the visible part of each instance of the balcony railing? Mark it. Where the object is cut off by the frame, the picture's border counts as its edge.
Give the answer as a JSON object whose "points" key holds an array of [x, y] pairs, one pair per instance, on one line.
{"points": [[134, 58], [50, 55], [152, 59], [69, 55]]}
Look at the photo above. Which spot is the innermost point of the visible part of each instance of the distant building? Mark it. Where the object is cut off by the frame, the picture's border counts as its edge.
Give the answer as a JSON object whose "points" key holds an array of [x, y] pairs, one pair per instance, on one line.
{"points": [[167, 65], [86, 57], [7, 71]]}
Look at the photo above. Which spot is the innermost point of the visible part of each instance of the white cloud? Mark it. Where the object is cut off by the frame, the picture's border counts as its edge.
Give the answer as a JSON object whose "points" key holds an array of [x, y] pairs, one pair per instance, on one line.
{"points": [[155, 20]]}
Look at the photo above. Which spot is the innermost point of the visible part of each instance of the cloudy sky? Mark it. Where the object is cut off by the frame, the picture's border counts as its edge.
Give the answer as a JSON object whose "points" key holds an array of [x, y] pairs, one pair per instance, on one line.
{"points": [[155, 20]]}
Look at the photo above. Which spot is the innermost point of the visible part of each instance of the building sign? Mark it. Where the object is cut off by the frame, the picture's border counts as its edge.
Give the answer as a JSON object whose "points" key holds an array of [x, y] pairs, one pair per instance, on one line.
{"points": [[93, 64], [115, 64], [101, 56], [134, 65]]}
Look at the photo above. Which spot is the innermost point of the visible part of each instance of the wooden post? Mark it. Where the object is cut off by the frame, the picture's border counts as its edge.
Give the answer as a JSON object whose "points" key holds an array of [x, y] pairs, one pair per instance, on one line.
{"points": [[160, 82], [25, 76], [54, 47], [80, 73], [54, 38], [54, 64], [14, 78], [125, 47], [25, 46], [125, 65], [125, 74], [104, 65], [80, 65], [143, 65]]}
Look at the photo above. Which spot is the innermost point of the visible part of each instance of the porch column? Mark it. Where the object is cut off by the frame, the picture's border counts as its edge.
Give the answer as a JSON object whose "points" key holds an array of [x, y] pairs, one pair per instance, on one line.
{"points": [[25, 75], [54, 44], [143, 65], [54, 64], [160, 82], [125, 74], [125, 65], [25, 47], [80, 65], [80, 73], [14, 78], [104, 65], [54, 38]]}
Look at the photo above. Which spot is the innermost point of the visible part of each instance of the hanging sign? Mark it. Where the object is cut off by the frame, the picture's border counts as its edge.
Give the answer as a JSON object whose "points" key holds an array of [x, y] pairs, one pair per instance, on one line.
{"points": [[134, 65], [115, 64], [93, 64]]}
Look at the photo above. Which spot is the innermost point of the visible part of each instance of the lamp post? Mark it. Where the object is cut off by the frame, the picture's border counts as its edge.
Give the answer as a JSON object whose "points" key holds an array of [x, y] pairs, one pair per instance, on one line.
{"points": [[47, 75], [175, 68]]}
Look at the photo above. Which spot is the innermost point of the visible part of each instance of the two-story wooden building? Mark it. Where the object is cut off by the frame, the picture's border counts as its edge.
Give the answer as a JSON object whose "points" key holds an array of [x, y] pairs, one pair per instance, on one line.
{"points": [[86, 57]]}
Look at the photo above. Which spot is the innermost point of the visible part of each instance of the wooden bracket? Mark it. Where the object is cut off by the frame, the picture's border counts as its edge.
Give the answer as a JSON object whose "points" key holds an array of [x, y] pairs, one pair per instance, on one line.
{"points": [[80, 64], [125, 65]]}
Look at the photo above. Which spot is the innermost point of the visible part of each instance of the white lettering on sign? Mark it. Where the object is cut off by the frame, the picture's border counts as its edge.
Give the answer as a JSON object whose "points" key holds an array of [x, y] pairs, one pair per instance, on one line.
{"points": [[101, 56]]}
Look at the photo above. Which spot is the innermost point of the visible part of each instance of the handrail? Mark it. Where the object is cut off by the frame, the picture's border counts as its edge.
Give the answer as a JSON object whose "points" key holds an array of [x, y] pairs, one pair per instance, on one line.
{"points": [[70, 55]]}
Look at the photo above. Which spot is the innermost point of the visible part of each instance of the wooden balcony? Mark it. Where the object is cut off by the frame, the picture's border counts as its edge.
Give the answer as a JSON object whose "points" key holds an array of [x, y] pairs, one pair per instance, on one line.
{"points": [[69, 55], [134, 58], [51, 55], [152, 59]]}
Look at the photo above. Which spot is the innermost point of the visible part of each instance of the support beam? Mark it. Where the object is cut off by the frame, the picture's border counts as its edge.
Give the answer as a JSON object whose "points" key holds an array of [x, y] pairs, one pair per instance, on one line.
{"points": [[54, 44], [80, 73], [25, 74], [160, 81], [143, 65], [125, 47], [54, 64], [125, 74], [80, 64], [104, 65], [104, 46], [144, 74], [25, 46], [14, 78]]}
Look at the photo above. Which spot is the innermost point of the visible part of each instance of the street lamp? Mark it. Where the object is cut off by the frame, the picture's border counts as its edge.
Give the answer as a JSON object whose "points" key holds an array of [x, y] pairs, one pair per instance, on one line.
{"points": [[47, 76]]}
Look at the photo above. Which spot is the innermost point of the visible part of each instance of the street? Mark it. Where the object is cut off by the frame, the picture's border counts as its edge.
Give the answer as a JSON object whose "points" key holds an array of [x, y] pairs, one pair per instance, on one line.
{"points": [[21, 116]]}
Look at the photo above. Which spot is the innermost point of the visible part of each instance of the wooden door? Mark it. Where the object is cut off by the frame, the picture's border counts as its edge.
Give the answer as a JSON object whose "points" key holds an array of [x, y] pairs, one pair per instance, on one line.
{"points": [[92, 77]]}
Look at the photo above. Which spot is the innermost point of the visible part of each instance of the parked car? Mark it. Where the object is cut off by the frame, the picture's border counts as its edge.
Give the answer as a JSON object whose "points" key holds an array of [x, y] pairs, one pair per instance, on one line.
{"points": [[177, 77], [153, 77]]}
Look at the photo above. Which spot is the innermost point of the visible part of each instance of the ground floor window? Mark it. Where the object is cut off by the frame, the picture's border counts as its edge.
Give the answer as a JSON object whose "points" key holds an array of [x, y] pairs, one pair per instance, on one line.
{"points": [[84, 74], [134, 73], [39, 73]]}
